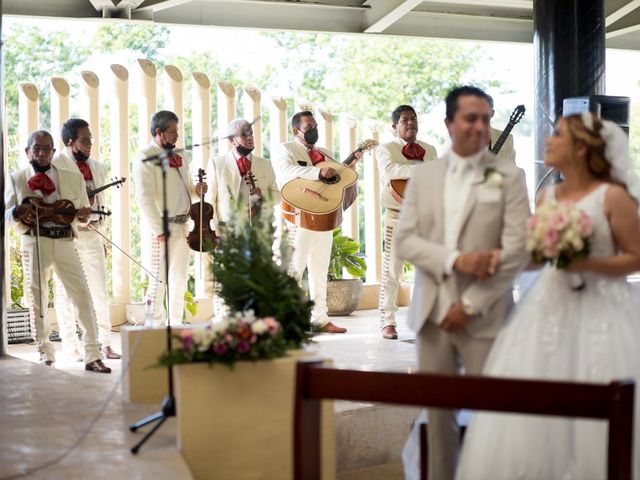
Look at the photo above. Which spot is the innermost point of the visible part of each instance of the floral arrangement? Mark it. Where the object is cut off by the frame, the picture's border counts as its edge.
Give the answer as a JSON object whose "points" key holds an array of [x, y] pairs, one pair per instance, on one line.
{"points": [[493, 177], [559, 233], [242, 336]]}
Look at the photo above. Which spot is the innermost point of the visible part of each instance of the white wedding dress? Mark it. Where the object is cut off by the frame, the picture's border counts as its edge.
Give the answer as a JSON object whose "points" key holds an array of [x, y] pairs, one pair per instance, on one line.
{"points": [[556, 333]]}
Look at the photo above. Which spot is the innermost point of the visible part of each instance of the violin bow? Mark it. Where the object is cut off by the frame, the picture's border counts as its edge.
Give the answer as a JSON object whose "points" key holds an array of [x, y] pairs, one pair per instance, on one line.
{"points": [[125, 253]]}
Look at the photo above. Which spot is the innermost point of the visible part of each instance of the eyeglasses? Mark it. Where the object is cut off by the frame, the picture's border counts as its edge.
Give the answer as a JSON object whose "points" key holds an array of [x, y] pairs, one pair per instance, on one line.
{"points": [[38, 148], [87, 142]]}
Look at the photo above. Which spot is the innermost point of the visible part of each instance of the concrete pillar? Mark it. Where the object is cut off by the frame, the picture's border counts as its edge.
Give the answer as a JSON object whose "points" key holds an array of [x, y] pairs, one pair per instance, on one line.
{"points": [[251, 109], [174, 99], [347, 134], [372, 208], [325, 128], [120, 222], [226, 112], [90, 107], [28, 120], [569, 46], [59, 109], [278, 122], [146, 99]]}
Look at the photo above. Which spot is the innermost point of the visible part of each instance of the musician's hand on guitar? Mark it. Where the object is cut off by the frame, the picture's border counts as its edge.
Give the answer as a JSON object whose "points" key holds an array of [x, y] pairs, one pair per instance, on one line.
{"points": [[327, 173], [160, 238], [201, 188], [358, 156], [84, 214]]}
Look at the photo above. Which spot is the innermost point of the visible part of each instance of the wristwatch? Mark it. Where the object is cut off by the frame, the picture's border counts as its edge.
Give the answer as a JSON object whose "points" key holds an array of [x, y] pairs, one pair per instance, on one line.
{"points": [[468, 308]]}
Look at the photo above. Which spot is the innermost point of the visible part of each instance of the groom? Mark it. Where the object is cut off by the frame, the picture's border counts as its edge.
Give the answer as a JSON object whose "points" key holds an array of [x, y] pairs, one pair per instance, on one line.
{"points": [[463, 215]]}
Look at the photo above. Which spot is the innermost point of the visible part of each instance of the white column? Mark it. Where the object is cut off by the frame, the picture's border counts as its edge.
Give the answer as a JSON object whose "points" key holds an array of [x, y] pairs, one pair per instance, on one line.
{"points": [[59, 109], [226, 112], [174, 99], [347, 133], [201, 119], [201, 127], [325, 129], [145, 99], [251, 109], [120, 223], [28, 120], [372, 208], [278, 122], [90, 107]]}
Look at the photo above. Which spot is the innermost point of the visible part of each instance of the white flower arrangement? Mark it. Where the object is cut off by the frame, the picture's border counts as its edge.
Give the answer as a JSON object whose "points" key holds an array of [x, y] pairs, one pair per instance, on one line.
{"points": [[493, 178]]}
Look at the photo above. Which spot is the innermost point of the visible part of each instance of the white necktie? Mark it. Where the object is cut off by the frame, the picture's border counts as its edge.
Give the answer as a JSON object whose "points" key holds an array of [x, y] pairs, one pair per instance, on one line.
{"points": [[461, 169]]}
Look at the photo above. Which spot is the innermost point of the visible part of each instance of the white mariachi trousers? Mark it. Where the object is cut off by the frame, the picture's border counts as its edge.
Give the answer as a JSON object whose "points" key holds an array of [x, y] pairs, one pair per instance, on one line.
{"points": [[391, 273], [90, 247], [179, 254], [312, 250], [61, 254]]}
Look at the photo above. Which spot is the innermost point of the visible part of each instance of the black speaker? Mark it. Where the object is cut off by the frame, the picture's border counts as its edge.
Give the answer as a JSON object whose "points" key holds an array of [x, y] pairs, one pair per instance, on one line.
{"points": [[606, 107]]}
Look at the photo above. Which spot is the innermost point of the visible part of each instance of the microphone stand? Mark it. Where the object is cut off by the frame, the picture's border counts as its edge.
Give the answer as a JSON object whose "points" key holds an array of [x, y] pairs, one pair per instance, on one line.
{"points": [[169, 403]]}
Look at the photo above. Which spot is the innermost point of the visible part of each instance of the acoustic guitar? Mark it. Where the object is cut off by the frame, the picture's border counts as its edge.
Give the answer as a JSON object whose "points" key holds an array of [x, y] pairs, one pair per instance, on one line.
{"points": [[398, 186], [318, 204]]}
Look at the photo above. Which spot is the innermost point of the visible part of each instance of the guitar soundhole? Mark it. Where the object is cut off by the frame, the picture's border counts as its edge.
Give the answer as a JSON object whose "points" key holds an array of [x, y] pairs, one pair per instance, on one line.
{"points": [[332, 180]]}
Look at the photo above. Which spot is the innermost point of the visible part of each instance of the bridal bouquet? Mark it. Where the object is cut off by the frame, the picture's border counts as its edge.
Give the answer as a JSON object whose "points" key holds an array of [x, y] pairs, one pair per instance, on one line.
{"points": [[559, 233], [242, 336]]}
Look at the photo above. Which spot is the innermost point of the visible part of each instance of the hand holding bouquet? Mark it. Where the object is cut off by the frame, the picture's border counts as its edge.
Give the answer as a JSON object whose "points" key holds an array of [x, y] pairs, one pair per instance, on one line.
{"points": [[559, 233]]}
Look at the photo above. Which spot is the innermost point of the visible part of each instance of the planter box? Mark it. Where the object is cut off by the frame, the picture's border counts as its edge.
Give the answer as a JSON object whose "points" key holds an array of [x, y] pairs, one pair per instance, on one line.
{"points": [[343, 296], [237, 424]]}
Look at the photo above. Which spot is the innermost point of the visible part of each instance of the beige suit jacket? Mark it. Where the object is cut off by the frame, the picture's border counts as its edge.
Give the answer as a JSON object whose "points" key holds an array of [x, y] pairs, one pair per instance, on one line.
{"points": [[493, 217], [291, 160], [507, 152], [225, 182], [393, 165], [66, 161], [148, 179], [71, 186]]}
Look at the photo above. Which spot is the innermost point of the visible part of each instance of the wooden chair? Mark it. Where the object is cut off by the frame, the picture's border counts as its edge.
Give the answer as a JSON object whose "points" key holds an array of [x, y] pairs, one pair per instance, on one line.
{"points": [[613, 402]]}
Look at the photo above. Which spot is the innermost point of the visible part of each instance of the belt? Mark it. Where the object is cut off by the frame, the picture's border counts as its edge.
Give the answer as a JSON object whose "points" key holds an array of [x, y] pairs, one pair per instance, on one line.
{"points": [[182, 218], [52, 232]]}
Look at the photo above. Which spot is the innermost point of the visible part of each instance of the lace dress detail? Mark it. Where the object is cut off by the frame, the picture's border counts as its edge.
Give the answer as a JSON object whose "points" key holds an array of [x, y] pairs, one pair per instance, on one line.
{"points": [[556, 333]]}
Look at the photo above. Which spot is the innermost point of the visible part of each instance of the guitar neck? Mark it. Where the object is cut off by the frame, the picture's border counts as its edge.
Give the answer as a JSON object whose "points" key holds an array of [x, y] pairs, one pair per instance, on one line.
{"points": [[95, 191], [503, 138], [349, 160]]}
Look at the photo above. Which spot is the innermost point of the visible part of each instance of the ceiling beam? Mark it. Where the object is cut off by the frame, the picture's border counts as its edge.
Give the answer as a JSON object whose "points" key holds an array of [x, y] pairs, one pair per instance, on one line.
{"points": [[382, 18], [622, 12]]}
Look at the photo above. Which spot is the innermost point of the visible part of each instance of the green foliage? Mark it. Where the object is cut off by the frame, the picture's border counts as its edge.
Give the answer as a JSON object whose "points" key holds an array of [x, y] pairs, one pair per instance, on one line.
{"points": [[147, 39], [345, 253], [17, 276], [248, 277], [190, 305]]}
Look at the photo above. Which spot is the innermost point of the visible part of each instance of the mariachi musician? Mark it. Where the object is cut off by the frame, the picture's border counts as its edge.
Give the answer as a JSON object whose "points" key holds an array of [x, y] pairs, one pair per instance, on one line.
{"points": [[239, 174], [396, 161], [49, 242], [77, 139], [149, 195]]}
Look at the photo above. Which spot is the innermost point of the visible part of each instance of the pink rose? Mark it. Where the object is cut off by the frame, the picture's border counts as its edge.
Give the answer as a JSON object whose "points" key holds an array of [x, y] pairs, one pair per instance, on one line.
{"points": [[272, 324], [558, 220], [551, 238]]}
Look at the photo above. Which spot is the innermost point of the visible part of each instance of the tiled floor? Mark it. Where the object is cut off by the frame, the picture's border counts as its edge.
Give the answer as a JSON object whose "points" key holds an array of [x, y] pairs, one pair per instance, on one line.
{"points": [[74, 424]]}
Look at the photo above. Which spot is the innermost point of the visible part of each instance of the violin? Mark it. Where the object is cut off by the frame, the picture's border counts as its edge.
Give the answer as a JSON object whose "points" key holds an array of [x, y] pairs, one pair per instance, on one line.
{"points": [[254, 202], [62, 212], [201, 238], [115, 182]]}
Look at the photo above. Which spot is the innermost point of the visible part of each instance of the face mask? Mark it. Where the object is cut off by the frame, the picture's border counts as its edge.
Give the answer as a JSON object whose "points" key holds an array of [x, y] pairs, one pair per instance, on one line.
{"points": [[80, 156], [167, 146], [244, 151], [311, 136], [39, 168]]}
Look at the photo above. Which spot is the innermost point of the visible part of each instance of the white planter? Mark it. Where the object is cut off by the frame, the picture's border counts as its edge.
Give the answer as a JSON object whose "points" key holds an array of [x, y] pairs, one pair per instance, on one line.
{"points": [[343, 296], [237, 423]]}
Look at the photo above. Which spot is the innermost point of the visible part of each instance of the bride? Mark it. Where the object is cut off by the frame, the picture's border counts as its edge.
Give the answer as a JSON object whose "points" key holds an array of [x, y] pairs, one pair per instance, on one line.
{"points": [[557, 333]]}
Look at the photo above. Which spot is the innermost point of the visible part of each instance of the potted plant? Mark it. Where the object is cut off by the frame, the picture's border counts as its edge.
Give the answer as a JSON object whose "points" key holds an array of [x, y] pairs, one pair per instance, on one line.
{"points": [[343, 294]]}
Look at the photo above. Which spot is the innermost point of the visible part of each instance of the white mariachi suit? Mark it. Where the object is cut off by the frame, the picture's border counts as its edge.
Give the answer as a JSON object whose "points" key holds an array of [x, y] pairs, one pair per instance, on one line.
{"points": [[393, 165], [311, 250], [39, 253], [507, 151], [90, 246], [226, 184], [180, 191]]}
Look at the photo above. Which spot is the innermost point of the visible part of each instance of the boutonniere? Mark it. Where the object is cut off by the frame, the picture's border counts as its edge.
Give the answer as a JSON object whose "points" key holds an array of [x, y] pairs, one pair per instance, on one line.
{"points": [[493, 177]]}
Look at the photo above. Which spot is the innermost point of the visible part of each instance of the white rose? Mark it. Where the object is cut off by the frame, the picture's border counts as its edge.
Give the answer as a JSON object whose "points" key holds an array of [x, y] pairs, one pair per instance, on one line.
{"points": [[221, 326], [258, 327], [495, 179], [578, 244]]}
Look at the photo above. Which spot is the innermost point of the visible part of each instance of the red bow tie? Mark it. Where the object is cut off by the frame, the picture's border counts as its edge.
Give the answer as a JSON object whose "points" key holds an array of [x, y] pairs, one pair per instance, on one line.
{"points": [[85, 170], [413, 151], [244, 165], [316, 156], [175, 161], [41, 182]]}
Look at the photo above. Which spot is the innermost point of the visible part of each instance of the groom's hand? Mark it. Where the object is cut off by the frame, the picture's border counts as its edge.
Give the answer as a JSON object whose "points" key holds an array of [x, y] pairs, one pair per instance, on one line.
{"points": [[455, 319], [478, 264]]}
